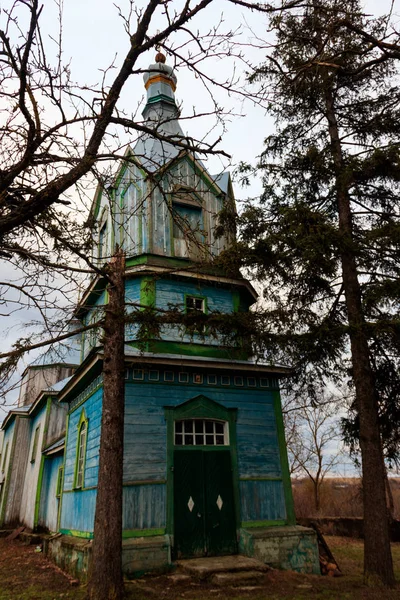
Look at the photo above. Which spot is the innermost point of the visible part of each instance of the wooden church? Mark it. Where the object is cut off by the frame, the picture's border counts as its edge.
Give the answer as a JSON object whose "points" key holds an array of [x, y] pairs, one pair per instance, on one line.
{"points": [[205, 461]]}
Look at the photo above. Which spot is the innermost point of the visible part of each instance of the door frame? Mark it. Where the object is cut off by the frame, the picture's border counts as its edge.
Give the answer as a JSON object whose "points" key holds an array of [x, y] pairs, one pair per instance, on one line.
{"points": [[200, 407]]}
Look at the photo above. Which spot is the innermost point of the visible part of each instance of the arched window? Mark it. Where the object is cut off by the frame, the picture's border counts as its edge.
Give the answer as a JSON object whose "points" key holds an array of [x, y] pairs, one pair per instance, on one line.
{"points": [[81, 452]]}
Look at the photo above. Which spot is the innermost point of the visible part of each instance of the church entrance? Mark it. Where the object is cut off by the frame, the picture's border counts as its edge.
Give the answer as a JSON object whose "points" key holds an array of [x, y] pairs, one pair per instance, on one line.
{"points": [[204, 510]]}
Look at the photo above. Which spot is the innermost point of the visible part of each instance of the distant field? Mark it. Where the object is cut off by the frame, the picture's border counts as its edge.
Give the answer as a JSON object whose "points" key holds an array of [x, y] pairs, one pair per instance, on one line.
{"points": [[340, 497]]}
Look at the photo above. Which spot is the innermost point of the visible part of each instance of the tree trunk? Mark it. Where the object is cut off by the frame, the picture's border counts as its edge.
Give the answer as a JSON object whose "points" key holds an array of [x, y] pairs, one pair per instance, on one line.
{"points": [[105, 578], [377, 553], [317, 498]]}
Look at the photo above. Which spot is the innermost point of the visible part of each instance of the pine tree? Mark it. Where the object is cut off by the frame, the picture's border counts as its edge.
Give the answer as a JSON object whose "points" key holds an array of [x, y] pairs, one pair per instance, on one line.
{"points": [[325, 236]]}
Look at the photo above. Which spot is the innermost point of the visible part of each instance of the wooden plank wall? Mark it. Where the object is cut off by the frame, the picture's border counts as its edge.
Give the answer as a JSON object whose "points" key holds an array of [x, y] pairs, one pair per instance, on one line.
{"points": [[57, 420], [172, 293], [7, 439], [30, 482], [48, 508], [145, 475]]}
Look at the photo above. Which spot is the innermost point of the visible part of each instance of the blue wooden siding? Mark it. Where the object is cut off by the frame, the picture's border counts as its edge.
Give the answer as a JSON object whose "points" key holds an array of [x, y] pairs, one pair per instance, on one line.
{"points": [[132, 294], [132, 291], [91, 338], [145, 431], [92, 408], [145, 450], [48, 508], [171, 293], [262, 500], [77, 511], [144, 507]]}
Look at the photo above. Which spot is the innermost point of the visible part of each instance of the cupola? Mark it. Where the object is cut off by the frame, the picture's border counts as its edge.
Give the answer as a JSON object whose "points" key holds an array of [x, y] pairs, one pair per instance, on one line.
{"points": [[160, 82]]}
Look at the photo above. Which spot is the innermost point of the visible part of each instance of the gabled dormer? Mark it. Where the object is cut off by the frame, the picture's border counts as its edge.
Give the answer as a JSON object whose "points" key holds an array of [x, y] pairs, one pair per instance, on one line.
{"points": [[162, 200]]}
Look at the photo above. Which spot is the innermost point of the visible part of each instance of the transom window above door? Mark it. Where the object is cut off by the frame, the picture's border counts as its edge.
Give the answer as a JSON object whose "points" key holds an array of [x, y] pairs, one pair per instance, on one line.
{"points": [[201, 432]]}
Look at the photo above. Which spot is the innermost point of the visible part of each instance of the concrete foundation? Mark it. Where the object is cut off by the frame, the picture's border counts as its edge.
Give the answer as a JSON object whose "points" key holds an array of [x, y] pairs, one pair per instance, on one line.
{"points": [[139, 555], [289, 548], [145, 555], [71, 554]]}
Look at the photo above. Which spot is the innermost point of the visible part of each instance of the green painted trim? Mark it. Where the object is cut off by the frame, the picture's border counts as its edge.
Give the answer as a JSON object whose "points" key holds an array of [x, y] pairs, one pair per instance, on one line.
{"points": [[163, 260], [79, 490], [63, 477], [158, 98], [148, 292], [59, 482], [253, 524], [38, 492], [127, 534], [74, 533], [136, 533], [6, 485], [190, 349], [236, 300], [186, 295], [46, 423], [260, 478], [169, 417], [287, 486], [202, 448], [199, 407], [83, 420]]}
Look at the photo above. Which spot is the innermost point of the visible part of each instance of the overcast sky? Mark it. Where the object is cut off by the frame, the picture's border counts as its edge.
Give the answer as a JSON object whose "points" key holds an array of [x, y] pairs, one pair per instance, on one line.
{"points": [[94, 37]]}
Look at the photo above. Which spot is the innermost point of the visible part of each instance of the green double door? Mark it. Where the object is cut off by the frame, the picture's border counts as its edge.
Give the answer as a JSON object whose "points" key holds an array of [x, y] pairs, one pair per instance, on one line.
{"points": [[204, 511]]}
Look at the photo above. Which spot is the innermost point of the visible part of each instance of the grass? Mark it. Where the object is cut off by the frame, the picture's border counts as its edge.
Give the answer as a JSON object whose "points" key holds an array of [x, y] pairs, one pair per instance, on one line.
{"points": [[26, 575]]}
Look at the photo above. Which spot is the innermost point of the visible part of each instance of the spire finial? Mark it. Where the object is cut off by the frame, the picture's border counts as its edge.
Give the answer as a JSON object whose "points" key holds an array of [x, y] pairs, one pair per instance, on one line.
{"points": [[160, 57]]}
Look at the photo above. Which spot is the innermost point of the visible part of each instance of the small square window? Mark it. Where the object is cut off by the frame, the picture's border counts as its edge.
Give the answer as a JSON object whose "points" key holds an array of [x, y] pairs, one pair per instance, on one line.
{"points": [[251, 382], [197, 378], [225, 380], [238, 380], [195, 303], [154, 375], [169, 376], [126, 373], [138, 374], [264, 382], [183, 377], [212, 379]]}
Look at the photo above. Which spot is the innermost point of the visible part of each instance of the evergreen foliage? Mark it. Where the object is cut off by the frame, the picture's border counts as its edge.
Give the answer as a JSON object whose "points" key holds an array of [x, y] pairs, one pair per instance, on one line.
{"points": [[324, 237]]}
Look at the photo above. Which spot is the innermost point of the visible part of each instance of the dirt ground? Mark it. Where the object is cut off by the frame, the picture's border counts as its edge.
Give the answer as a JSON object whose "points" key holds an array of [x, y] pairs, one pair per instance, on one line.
{"points": [[27, 575]]}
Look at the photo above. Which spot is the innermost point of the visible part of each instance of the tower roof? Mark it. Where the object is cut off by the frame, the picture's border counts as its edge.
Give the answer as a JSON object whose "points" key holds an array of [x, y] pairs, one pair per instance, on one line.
{"points": [[161, 113]]}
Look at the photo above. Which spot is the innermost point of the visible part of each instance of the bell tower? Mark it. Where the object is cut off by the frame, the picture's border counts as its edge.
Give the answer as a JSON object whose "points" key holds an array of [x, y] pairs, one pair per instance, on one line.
{"points": [[162, 209]]}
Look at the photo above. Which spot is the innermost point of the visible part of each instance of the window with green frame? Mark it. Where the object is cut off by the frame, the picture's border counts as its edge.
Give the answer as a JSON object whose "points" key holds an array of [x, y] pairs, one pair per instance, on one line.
{"points": [[35, 444], [3, 467], [59, 481], [81, 452], [196, 305]]}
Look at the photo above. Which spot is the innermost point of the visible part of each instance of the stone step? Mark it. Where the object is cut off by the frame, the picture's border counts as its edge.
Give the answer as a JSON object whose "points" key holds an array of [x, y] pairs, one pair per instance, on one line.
{"points": [[237, 578], [204, 568]]}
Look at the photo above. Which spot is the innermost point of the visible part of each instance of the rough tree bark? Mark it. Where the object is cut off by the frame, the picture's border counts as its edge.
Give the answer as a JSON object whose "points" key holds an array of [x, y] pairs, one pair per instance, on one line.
{"points": [[105, 577], [377, 554]]}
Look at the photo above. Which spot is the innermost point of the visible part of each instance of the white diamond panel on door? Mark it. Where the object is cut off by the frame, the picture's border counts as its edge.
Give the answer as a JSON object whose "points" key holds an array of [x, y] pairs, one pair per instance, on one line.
{"points": [[190, 504]]}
